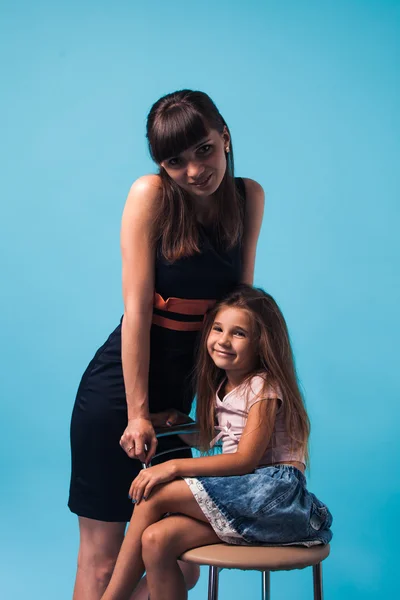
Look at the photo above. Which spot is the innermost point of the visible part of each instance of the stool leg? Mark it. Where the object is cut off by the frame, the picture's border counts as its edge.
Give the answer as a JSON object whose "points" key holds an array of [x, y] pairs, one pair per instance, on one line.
{"points": [[213, 574], [266, 585], [317, 577]]}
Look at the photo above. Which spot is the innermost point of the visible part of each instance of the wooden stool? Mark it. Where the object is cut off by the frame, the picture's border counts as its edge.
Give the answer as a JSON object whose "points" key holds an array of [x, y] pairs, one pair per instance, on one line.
{"points": [[258, 558]]}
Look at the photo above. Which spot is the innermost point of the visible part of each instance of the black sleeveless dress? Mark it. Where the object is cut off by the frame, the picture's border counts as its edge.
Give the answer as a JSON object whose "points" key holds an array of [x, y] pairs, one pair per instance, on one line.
{"points": [[101, 470]]}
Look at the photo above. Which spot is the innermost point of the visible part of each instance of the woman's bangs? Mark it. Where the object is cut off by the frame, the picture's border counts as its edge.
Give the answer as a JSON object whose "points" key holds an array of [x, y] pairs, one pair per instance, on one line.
{"points": [[179, 128]]}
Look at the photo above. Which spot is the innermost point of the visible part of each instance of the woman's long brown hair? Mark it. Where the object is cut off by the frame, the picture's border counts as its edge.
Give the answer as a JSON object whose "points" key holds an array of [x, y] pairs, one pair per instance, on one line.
{"points": [[176, 122], [274, 361]]}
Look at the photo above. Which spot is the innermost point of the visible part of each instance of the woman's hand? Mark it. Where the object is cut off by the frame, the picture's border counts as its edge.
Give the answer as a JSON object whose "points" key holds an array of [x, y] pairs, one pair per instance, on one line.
{"points": [[139, 439], [148, 478], [169, 417]]}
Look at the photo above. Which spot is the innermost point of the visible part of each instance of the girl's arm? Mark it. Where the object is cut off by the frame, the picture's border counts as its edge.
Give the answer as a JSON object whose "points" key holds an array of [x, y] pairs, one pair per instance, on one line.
{"points": [[171, 417], [253, 443], [252, 225], [138, 258]]}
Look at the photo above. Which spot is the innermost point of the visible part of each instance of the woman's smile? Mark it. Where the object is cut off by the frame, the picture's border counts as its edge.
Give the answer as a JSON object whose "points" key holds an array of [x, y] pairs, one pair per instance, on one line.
{"points": [[204, 182]]}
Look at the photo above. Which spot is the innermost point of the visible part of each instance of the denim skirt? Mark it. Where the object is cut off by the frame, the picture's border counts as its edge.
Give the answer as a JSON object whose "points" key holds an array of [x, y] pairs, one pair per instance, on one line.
{"points": [[270, 506]]}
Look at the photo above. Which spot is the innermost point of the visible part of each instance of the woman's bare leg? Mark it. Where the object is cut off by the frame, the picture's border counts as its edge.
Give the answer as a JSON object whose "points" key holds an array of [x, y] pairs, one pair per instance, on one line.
{"points": [[100, 543], [129, 568], [162, 544]]}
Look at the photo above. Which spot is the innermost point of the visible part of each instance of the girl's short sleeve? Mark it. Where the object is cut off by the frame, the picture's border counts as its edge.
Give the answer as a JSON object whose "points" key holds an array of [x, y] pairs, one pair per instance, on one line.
{"points": [[257, 391]]}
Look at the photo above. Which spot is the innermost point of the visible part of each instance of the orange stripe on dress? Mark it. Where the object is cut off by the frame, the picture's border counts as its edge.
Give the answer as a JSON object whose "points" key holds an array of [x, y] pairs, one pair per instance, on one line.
{"points": [[183, 306], [180, 306], [176, 325]]}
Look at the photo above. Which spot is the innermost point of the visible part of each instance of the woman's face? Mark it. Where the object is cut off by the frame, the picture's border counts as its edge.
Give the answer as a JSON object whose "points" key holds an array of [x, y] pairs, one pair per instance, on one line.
{"points": [[200, 169]]}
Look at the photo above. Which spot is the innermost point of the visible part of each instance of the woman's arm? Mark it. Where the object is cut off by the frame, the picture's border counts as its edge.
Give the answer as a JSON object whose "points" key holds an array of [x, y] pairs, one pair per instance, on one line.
{"points": [[252, 225], [138, 259]]}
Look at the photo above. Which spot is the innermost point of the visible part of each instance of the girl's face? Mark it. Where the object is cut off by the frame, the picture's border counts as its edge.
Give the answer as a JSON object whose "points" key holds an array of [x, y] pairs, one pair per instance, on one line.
{"points": [[231, 342], [200, 169]]}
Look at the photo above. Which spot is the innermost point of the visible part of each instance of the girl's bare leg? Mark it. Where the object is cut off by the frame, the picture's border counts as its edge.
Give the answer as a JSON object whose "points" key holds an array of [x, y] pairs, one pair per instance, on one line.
{"points": [[129, 568], [190, 572], [163, 543]]}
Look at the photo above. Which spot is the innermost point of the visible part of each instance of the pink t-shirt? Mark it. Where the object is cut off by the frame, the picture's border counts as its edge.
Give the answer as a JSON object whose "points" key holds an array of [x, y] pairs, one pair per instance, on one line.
{"points": [[232, 412]]}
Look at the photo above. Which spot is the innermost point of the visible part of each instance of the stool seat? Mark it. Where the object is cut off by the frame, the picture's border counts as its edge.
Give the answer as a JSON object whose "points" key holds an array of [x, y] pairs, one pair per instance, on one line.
{"points": [[258, 558]]}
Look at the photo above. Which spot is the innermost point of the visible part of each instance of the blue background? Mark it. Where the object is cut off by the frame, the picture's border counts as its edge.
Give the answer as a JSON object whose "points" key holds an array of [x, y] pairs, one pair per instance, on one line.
{"points": [[310, 91]]}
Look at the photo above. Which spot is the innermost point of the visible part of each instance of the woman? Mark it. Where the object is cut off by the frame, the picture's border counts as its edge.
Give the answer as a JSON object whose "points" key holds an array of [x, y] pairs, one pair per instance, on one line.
{"points": [[188, 236]]}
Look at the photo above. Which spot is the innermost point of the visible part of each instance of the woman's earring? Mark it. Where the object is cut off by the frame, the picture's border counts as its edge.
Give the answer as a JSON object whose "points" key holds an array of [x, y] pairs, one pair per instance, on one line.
{"points": [[227, 149]]}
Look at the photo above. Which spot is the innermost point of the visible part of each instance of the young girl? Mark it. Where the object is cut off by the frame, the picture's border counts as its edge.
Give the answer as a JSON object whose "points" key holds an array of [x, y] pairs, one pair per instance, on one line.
{"points": [[255, 491]]}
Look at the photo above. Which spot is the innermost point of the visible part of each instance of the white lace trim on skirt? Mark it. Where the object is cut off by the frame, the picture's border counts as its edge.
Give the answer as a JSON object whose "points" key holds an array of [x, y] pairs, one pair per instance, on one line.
{"points": [[218, 522]]}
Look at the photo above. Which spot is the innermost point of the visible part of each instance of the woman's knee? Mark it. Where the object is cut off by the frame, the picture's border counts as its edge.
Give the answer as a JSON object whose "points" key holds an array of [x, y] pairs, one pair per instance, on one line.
{"points": [[100, 544], [98, 562]]}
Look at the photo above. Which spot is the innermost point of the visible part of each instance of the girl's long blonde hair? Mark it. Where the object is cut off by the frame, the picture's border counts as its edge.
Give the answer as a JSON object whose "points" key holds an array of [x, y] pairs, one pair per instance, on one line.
{"points": [[274, 361]]}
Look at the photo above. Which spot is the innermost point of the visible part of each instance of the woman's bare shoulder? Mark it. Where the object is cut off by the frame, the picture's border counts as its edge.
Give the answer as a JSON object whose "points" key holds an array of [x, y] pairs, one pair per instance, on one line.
{"points": [[253, 189], [143, 195], [146, 184], [255, 200]]}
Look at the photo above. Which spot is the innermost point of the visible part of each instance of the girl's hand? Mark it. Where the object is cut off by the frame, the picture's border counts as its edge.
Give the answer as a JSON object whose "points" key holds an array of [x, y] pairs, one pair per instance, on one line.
{"points": [[169, 417], [148, 478]]}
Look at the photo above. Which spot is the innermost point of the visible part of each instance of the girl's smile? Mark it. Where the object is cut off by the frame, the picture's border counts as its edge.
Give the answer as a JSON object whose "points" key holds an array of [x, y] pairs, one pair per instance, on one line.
{"points": [[230, 342], [224, 353]]}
